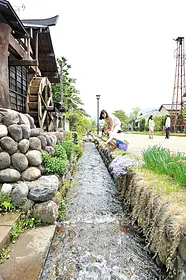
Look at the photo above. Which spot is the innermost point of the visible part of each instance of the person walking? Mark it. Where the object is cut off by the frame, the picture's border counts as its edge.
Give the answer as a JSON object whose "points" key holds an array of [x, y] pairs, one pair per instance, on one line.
{"points": [[167, 126], [112, 121], [151, 127]]}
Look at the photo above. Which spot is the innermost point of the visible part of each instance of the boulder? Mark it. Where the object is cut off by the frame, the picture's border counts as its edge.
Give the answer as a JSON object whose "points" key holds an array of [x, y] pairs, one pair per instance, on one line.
{"points": [[47, 211], [19, 194], [31, 120], [26, 131], [44, 188], [35, 143], [34, 157], [24, 146], [43, 141], [35, 132], [50, 150], [4, 160], [8, 144], [3, 130], [15, 131], [9, 175], [31, 174], [6, 189], [19, 161], [23, 119], [10, 117]]}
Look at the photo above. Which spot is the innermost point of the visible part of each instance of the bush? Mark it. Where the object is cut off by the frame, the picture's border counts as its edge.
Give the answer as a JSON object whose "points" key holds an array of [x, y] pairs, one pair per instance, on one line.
{"points": [[78, 150], [60, 151], [68, 147]]}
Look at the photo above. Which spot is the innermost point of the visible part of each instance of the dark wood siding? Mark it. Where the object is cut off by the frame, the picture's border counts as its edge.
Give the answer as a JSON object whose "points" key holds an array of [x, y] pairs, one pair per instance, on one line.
{"points": [[18, 83]]}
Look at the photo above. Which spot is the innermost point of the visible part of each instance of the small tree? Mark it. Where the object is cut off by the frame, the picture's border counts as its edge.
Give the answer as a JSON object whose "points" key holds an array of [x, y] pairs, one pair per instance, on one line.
{"points": [[142, 124]]}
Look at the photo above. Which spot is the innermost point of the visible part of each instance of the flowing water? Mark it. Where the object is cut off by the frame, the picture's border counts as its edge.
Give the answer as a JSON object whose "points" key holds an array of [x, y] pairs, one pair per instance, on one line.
{"points": [[97, 241]]}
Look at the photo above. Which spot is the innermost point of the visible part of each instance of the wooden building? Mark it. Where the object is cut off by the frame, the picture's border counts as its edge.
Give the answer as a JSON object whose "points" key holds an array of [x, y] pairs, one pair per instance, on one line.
{"points": [[27, 59]]}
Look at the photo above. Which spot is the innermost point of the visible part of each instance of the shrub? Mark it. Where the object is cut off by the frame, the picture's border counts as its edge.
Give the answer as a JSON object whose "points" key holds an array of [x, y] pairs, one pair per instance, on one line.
{"points": [[78, 150], [60, 151], [68, 147]]}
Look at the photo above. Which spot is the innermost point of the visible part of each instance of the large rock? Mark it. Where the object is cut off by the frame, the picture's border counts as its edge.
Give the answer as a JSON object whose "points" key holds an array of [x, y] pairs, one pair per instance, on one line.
{"points": [[26, 131], [8, 144], [43, 141], [15, 131], [10, 117], [9, 175], [23, 119], [6, 189], [35, 143], [44, 188], [31, 174], [47, 211], [3, 130], [4, 160], [19, 161], [50, 150], [24, 146], [19, 194], [34, 157], [35, 132], [31, 120]]}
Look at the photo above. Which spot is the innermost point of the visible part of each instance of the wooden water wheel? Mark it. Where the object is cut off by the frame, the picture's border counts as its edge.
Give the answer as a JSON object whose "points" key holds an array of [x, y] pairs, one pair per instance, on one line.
{"points": [[39, 103]]}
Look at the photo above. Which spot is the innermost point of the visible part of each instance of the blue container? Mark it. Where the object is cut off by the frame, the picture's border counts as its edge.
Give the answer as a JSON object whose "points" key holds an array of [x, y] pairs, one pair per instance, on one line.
{"points": [[123, 147]]}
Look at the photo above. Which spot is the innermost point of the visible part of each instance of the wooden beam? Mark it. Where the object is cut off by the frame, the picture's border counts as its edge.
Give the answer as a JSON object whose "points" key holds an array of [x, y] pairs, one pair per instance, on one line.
{"points": [[50, 74], [44, 55], [23, 62], [16, 46]]}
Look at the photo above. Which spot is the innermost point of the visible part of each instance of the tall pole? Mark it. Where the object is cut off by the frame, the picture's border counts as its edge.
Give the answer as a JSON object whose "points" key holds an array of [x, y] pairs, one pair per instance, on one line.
{"points": [[98, 97]]}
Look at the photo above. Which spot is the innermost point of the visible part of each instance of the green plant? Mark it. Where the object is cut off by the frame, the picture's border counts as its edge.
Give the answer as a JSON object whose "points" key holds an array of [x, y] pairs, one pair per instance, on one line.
{"points": [[78, 150], [163, 161], [69, 148], [4, 255], [23, 224], [6, 204], [60, 151]]}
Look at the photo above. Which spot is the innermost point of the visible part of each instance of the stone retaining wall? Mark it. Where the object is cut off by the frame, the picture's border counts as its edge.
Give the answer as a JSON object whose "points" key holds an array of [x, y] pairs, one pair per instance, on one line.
{"points": [[162, 221], [21, 171]]}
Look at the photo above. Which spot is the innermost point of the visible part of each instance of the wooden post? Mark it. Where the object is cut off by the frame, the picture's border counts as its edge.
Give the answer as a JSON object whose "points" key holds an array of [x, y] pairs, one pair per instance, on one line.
{"points": [[5, 31]]}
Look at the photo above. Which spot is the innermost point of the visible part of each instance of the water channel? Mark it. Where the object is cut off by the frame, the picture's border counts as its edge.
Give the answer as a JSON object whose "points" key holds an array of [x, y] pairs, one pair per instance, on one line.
{"points": [[96, 241]]}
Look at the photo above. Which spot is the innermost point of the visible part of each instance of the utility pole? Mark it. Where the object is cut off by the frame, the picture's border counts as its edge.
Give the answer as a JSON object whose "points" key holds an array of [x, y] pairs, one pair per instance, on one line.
{"points": [[98, 97]]}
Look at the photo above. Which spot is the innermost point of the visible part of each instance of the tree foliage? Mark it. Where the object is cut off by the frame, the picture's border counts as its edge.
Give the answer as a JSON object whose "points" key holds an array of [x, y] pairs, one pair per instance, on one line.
{"points": [[67, 93]]}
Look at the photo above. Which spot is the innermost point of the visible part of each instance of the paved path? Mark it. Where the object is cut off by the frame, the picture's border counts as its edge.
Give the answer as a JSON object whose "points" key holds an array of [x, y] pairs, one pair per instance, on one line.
{"points": [[139, 142]]}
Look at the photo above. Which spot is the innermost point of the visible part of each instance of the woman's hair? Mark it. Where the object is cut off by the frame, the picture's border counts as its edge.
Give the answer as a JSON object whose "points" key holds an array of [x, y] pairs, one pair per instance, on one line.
{"points": [[101, 114]]}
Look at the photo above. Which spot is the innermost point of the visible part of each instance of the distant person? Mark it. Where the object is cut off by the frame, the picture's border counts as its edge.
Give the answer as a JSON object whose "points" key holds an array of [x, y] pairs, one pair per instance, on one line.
{"points": [[112, 121], [151, 127], [114, 138], [167, 126]]}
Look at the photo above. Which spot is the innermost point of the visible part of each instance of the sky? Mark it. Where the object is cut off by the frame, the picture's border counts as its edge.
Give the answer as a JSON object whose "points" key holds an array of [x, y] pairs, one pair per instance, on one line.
{"points": [[122, 50]]}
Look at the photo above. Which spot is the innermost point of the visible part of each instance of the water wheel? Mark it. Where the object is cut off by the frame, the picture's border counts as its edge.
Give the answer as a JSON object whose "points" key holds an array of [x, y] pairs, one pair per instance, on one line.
{"points": [[39, 102]]}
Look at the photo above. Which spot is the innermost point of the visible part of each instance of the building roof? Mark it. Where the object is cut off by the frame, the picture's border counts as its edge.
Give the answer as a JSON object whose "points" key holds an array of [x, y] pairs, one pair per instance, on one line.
{"points": [[148, 114], [40, 22], [9, 16], [46, 55], [170, 107]]}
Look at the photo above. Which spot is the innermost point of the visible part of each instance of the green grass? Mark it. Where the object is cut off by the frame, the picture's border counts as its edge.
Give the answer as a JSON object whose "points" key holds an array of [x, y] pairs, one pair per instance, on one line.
{"points": [[163, 161]]}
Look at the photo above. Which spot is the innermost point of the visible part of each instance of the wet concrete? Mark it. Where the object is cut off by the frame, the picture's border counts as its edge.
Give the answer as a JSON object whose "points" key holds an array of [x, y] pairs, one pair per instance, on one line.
{"points": [[97, 240]]}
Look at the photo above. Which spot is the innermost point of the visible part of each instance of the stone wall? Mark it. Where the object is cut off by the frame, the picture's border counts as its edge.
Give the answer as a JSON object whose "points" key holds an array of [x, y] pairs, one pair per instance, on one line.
{"points": [[162, 221], [20, 146], [21, 171]]}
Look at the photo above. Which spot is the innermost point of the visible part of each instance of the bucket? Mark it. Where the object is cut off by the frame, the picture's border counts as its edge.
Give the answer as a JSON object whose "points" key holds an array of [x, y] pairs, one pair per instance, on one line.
{"points": [[123, 147]]}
